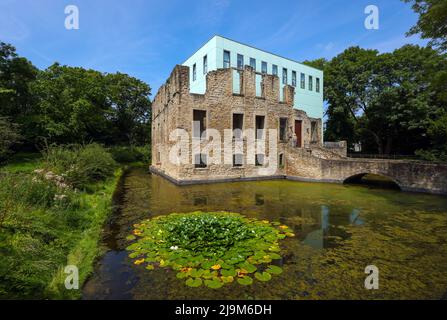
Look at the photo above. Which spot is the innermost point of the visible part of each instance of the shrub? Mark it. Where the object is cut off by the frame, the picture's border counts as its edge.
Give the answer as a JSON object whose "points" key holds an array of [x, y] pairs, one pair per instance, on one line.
{"points": [[26, 189], [125, 154], [9, 136], [80, 165]]}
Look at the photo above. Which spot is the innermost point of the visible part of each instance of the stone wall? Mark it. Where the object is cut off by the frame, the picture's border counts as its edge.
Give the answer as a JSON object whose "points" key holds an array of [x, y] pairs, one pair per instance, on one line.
{"points": [[173, 109]]}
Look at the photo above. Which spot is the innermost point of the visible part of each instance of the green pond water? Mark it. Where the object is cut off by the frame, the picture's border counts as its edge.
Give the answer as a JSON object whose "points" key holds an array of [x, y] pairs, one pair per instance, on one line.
{"points": [[340, 229]]}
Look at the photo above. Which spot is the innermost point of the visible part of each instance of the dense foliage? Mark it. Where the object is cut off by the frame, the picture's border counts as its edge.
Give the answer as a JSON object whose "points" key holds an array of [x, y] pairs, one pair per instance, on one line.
{"points": [[432, 23], [72, 105], [45, 224], [210, 248], [80, 165], [392, 103], [9, 137]]}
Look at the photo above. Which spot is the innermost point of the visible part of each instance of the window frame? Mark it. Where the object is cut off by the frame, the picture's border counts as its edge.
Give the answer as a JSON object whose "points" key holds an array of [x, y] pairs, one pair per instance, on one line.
{"points": [[303, 80], [241, 65], [205, 64], [253, 63], [310, 84], [264, 64], [194, 72], [293, 78], [229, 59], [284, 75], [274, 69]]}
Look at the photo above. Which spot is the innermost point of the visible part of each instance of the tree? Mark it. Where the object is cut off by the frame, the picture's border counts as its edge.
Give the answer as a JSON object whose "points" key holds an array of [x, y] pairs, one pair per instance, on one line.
{"points": [[72, 105], [16, 76], [432, 23], [385, 101], [9, 137], [131, 106]]}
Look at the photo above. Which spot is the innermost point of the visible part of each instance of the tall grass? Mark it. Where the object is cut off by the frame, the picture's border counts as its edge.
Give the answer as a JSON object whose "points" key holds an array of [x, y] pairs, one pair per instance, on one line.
{"points": [[46, 222]]}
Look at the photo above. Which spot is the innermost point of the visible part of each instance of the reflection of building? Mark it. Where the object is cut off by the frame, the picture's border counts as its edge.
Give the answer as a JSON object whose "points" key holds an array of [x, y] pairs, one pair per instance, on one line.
{"points": [[226, 85], [316, 237], [322, 234]]}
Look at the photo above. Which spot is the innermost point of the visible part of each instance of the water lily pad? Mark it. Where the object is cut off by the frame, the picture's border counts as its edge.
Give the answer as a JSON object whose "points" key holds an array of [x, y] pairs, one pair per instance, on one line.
{"points": [[214, 283], [274, 256], [228, 272], [194, 282], [213, 247], [264, 276], [181, 275], [245, 281], [274, 269], [228, 279], [249, 267]]}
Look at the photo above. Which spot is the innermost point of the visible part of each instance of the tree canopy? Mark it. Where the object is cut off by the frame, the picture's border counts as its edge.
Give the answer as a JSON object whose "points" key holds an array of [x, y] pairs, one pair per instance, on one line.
{"points": [[388, 102], [432, 23], [65, 104]]}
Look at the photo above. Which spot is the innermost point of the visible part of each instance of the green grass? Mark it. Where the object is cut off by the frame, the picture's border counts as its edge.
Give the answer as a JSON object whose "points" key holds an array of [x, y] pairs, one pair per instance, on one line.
{"points": [[22, 162], [39, 235]]}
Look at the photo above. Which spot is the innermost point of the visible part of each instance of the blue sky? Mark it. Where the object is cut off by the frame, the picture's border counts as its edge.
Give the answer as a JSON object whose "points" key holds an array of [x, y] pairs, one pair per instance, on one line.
{"points": [[147, 38]]}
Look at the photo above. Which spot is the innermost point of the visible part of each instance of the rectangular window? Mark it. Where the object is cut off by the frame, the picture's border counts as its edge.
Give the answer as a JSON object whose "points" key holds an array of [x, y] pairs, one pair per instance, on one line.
{"points": [[238, 160], [259, 160], [313, 132], [274, 69], [200, 161], [205, 64], [317, 85], [264, 67], [199, 124], [284, 75], [238, 124], [281, 160], [240, 61], [226, 59], [260, 123], [194, 72], [282, 129], [310, 83], [253, 63], [294, 78], [303, 81]]}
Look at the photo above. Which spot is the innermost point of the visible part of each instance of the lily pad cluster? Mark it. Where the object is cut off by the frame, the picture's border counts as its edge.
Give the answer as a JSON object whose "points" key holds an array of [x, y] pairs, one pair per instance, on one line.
{"points": [[209, 248]]}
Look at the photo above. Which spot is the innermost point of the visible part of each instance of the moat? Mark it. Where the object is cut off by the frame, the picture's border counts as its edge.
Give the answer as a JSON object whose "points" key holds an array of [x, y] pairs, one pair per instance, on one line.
{"points": [[340, 229]]}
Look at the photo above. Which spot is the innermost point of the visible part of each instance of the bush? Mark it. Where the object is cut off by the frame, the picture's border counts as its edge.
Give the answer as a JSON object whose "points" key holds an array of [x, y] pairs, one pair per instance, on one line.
{"points": [[80, 165], [9, 136], [124, 154]]}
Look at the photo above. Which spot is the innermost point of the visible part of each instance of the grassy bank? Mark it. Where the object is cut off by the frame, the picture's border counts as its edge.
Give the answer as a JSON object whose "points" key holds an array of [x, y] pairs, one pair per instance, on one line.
{"points": [[49, 219]]}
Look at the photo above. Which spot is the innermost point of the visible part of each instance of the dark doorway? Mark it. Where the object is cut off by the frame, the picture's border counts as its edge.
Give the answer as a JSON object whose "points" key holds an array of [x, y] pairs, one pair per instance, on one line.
{"points": [[298, 132], [238, 124], [199, 124], [260, 124]]}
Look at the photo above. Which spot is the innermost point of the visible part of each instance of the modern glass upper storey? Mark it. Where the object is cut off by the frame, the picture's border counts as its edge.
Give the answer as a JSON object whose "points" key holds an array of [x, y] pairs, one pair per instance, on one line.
{"points": [[220, 52]]}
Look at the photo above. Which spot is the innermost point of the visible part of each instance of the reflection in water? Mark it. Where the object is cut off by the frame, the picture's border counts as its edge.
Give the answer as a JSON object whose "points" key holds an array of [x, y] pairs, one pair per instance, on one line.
{"points": [[340, 229]]}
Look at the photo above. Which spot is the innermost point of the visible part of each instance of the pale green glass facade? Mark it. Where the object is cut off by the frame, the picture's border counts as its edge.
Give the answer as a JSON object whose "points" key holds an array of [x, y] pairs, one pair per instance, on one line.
{"points": [[307, 100]]}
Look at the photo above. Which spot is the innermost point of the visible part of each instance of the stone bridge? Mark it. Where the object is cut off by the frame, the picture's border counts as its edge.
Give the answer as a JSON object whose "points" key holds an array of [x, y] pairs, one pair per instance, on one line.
{"points": [[416, 176]]}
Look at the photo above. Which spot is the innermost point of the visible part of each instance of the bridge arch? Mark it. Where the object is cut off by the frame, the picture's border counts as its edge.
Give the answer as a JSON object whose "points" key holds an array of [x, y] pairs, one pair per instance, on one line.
{"points": [[377, 179]]}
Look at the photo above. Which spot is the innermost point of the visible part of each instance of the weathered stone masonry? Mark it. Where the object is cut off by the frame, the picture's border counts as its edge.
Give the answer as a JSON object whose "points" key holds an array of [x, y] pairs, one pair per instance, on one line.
{"points": [[173, 109]]}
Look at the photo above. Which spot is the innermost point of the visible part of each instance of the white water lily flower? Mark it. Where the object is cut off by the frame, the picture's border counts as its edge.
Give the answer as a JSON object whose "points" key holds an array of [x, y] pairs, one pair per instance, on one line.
{"points": [[174, 248]]}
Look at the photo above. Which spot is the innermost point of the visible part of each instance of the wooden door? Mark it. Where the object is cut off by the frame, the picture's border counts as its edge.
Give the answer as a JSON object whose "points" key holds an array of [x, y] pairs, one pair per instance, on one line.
{"points": [[298, 132]]}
